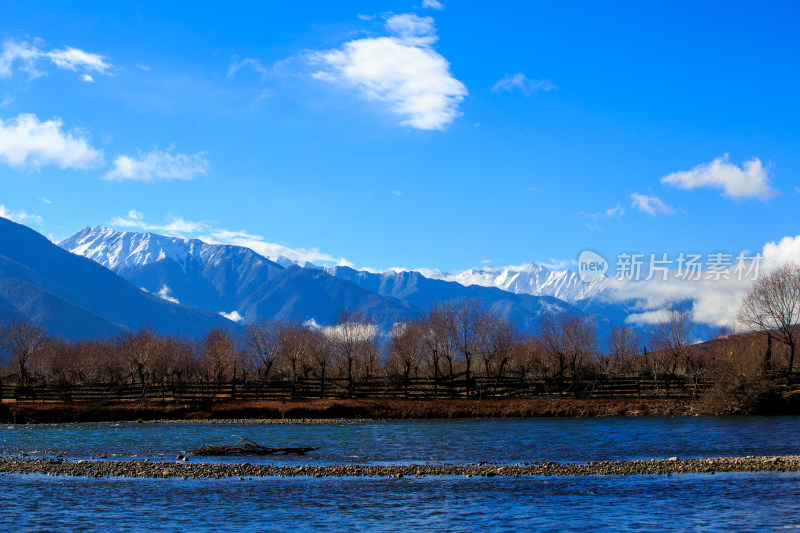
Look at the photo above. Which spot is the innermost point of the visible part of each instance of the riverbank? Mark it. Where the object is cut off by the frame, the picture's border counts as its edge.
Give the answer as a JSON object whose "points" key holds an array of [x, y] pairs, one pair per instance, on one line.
{"points": [[354, 409], [181, 469]]}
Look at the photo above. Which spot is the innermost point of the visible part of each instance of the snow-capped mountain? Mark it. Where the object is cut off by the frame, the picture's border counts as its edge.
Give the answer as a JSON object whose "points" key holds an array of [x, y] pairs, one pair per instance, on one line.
{"points": [[531, 279], [238, 283], [74, 298], [233, 281], [125, 251]]}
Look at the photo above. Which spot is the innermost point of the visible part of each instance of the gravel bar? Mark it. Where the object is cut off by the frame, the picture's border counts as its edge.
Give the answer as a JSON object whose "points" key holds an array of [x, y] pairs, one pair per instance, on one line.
{"points": [[188, 470]]}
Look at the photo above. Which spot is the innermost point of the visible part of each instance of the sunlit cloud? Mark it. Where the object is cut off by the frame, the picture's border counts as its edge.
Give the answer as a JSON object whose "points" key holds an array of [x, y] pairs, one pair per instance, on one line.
{"points": [[158, 165], [652, 205], [20, 217], [26, 57], [401, 70], [27, 142], [749, 181]]}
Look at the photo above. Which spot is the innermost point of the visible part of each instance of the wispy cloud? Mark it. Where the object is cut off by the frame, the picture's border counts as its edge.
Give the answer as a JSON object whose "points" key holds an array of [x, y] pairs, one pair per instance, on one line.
{"points": [[27, 142], [749, 181], [174, 227], [158, 165], [20, 216], [401, 70], [209, 232], [652, 205], [520, 82], [254, 64], [26, 57], [271, 250], [595, 218], [433, 4]]}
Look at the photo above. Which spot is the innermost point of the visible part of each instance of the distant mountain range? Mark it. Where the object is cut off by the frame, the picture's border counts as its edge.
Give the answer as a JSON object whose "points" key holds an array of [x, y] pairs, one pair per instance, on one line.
{"points": [[75, 298], [100, 282], [241, 284]]}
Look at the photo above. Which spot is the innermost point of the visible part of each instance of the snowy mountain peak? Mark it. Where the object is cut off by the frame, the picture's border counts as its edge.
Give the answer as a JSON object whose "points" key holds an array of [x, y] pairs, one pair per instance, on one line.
{"points": [[530, 279], [125, 251]]}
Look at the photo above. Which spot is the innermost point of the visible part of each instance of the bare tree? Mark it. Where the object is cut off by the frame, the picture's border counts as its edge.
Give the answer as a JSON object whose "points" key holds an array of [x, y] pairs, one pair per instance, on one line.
{"points": [[353, 337], [772, 305], [219, 356], [570, 340], [320, 349], [440, 341], [623, 347], [670, 335], [468, 319], [407, 349], [296, 347], [20, 340], [139, 351], [263, 345], [498, 338]]}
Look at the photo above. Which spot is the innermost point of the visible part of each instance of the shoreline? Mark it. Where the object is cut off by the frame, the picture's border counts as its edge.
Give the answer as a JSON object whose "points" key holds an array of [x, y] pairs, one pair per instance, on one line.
{"points": [[341, 409], [168, 470]]}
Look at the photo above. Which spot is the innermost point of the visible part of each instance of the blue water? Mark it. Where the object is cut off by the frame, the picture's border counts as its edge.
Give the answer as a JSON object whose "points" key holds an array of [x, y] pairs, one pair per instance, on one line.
{"points": [[736, 501]]}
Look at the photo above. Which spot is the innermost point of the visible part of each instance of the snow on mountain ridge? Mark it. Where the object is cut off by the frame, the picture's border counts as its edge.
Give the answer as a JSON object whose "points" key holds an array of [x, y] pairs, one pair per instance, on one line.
{"points": [[124, 251], [530, 279]]}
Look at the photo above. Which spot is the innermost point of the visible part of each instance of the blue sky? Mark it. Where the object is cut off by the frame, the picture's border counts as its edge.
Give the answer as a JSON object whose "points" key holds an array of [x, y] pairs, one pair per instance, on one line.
{"points": [[448, 135]]}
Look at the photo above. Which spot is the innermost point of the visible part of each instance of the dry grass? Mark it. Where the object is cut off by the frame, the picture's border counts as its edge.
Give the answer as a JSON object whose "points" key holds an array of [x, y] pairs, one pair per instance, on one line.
{"points": [[342, 408]]}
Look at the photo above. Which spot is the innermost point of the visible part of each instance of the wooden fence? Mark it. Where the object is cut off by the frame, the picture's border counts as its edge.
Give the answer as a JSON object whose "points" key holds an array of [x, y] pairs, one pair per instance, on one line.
{"points": [[386, 387]]}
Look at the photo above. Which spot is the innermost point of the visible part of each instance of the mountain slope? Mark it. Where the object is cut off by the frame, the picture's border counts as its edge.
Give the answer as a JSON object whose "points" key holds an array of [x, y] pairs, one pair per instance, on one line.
{"points": [[63, 287], [530, 279], [224, 278]]}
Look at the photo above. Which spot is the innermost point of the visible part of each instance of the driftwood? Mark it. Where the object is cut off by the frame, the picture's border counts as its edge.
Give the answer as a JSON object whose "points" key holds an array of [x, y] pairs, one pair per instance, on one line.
{"points": [[245, 447]]}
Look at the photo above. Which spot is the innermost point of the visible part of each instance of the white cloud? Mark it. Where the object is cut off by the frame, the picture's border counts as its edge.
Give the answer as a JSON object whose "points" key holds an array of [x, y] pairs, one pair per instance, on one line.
{"points": [[165, 294], [158, 165], [87, 78], [412, 29], [75, 59], [25, 142], [787, 249], [47, 201], [26, 57], [397, 193], [652, 205], [402, 71], [7, 99], [20, 217], [254, 64], [270, 250], [175, 227], [715, 301], [750, 181], [207, 232], [355, 331], [520, 82], [234, 316], [433, 4], [615, 212]]}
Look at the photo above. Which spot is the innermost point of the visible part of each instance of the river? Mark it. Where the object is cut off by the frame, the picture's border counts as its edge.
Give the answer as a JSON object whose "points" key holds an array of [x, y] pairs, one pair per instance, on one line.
{"points": [[723, 501]]}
